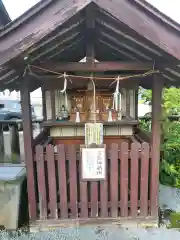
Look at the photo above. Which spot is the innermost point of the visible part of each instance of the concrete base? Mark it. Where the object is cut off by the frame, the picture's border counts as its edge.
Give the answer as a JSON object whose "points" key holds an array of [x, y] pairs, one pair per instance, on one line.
{"points": [[9, 205], [49, 225]]}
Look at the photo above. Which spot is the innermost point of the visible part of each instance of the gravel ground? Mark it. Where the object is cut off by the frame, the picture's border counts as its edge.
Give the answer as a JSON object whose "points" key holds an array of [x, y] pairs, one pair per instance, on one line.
{"points": [[89, 233]]}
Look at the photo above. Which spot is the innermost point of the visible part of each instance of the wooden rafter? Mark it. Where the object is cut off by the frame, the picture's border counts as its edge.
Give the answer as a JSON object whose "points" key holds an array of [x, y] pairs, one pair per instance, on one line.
{"points": [[165, 37], [37, 28]]}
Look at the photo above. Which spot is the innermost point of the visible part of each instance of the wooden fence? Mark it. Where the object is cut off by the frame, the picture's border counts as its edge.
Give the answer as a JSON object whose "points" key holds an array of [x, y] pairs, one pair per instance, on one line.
{"points": [[61, 194], [12, 140]]}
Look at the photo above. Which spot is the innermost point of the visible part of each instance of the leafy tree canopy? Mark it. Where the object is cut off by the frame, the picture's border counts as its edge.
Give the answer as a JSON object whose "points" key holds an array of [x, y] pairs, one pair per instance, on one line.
{"points": [[171, 99]]}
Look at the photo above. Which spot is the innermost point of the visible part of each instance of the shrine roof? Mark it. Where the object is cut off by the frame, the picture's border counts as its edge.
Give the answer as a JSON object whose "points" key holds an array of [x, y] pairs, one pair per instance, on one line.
{"points": [[58, 30]]}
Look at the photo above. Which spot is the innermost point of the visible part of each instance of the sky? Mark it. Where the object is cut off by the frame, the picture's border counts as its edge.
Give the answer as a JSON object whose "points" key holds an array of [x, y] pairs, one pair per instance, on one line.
{"points": [[17, 7]]}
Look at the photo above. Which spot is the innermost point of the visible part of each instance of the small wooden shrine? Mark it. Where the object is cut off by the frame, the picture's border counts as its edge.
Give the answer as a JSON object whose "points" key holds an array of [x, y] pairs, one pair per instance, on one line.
{"points": [[91, 161]]}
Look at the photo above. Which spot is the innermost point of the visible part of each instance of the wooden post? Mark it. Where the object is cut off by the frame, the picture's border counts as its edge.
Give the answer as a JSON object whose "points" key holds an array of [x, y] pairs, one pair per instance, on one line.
{"points": [[44, 110], [90, 58], [28, 147], [127, 103], [53, 105], [157, 87], [136, 103]]}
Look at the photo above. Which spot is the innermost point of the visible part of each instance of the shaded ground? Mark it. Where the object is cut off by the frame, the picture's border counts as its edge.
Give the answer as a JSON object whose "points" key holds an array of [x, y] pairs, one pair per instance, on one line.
{"points": [[90, 233]]}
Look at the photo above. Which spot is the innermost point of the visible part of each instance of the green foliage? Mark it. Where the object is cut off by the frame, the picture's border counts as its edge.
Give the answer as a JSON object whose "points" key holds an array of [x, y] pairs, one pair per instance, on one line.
{"points": [[170, 147], [145, 125], [174, 220], [171, 99]]}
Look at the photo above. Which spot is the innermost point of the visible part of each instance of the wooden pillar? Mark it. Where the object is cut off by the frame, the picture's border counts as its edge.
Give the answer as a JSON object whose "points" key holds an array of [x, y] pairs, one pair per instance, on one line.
{"points": [[136, 103], [44, 110], [28, 147], [53, 105], [128, 102], [157, 87]]}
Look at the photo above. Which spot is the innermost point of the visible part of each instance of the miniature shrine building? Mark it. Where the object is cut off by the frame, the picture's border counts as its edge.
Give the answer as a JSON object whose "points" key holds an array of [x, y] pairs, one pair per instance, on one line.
{"points": [[89, 57]]}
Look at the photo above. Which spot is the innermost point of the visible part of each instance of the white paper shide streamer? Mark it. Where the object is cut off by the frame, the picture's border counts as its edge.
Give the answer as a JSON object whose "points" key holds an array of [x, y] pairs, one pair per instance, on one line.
{"points": [[117, 97], [64, 90]]}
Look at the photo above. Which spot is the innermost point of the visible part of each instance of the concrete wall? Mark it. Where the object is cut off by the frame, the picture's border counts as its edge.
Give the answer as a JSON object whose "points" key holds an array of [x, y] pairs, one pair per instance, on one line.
{"points": [[169, 198]]}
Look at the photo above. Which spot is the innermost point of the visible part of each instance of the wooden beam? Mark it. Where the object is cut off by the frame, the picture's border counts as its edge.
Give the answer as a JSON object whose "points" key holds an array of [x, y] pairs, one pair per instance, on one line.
{"points": [[96, 67], [28, 147], [122, 46], [120, 52], [157, 87]]}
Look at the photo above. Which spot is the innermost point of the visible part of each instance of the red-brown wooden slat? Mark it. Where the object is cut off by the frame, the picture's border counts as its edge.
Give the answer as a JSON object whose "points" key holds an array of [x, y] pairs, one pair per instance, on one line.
{"points": [[134, 180], [94, 199], [73, 179], [114, 179], [52, 182], [124, 179], [84, 199], [62, 181], [104, 193], [83, 195], [41, 182], [144, 180]]}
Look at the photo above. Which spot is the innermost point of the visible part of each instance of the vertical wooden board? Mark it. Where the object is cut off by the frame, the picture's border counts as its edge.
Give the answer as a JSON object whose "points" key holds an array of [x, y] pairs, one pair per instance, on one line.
{"points": [[73, 179], [134, 180], [144, 180], [104, 193], [84, 199], [83, 195], [124, 179], [114, 179], [94, 199], [62, 181], [41, 182], [52, 182]]}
